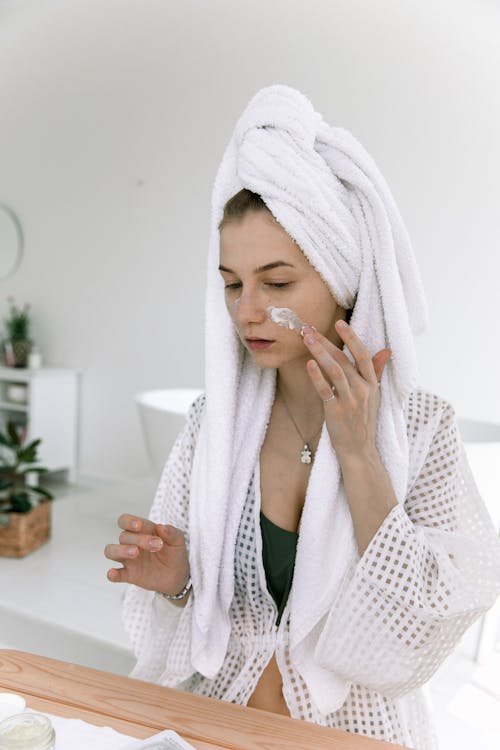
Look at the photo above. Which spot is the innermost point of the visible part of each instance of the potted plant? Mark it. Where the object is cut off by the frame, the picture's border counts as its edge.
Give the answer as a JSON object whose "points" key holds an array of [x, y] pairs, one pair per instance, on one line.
{"points": [[25, 517], [18, 345]]}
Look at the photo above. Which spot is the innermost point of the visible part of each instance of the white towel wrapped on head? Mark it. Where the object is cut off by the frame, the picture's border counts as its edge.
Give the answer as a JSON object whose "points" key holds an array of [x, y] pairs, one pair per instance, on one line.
{"points": [[327, 193]]}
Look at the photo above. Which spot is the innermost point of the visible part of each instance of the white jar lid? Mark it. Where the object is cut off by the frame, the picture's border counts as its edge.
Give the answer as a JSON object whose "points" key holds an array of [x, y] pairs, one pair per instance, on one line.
{"points": [[27, 730]]}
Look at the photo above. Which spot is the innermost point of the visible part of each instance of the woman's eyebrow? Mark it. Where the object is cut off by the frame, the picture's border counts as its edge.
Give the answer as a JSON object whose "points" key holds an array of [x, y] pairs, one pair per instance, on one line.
{"points": [[261, 269]]}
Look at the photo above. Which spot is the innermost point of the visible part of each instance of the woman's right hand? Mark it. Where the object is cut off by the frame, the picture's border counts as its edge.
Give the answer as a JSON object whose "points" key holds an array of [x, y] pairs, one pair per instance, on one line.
{"points": [[153, 556]]}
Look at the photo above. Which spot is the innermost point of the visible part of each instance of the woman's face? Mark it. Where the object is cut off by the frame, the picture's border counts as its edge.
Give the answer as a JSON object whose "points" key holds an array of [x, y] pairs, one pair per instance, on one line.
{"points": [[262, 267]]}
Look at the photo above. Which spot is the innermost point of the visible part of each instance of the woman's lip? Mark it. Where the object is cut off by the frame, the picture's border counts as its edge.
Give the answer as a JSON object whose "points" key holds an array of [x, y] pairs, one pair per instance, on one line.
{"points": [[258, 344]]}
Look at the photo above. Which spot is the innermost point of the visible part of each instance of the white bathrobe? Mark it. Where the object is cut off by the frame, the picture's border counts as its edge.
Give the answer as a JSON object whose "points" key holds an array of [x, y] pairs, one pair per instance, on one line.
{"points": [[429, 572], [358, 637]]}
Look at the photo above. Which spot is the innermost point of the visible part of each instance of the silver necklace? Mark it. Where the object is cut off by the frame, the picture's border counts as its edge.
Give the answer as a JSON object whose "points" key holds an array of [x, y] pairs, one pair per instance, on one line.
{"points": [[306, 454]]}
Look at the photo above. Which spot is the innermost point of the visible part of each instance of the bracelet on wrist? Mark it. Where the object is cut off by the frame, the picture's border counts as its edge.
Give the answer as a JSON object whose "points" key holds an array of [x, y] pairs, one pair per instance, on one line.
{"points": [[175, 597]]}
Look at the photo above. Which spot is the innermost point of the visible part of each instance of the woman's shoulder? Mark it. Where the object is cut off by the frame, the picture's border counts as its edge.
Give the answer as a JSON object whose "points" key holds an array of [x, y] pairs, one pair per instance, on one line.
{"points": [[197, 408], [433, 435], [182, 452], [426, 411], [194, 416], [426, 402]]}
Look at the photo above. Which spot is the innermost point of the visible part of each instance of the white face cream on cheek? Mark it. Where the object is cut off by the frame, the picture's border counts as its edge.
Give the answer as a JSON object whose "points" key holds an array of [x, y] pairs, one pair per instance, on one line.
{"points": [[287, 318]]}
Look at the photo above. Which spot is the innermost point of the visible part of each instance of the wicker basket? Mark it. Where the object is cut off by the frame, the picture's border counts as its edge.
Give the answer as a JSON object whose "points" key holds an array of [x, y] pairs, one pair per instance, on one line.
{"points": [[24, 532]]}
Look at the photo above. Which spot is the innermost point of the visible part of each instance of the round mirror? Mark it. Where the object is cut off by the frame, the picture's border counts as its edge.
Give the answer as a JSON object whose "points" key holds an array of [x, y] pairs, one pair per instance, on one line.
{"points": [[11, 241]]}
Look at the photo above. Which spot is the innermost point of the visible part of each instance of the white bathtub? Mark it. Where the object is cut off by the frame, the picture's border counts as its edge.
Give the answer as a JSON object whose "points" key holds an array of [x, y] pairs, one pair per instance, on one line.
{"points": [[162, 414]]}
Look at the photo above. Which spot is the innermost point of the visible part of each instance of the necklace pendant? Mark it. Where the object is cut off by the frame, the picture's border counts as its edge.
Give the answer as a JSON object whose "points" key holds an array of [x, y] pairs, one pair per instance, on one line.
{"points": [[306, 455]]}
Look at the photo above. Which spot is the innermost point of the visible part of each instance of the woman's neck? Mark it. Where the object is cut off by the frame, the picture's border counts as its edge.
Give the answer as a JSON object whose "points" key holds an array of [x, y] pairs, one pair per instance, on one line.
{"points": [[297, 390]]}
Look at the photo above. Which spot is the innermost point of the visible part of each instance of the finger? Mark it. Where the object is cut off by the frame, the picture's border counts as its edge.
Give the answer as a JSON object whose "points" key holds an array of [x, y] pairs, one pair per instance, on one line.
{"points": [[380, 360], [334, 351], [120, 552], [323, 387], [117, 575], [128, 522], [144, 541], [171, 535], [358, 350], [331, 369]]}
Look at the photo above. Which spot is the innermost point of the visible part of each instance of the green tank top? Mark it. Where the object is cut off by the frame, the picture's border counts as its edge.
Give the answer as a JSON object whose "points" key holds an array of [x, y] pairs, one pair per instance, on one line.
{"points": [[278, 556]]}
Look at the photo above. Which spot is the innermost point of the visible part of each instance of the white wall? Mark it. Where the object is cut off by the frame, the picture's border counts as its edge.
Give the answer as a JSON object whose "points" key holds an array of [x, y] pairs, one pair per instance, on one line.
{"points": [[114, 115]]}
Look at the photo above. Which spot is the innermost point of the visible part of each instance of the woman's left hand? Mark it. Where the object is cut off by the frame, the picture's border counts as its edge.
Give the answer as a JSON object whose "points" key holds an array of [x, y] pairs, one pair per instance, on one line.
{"points": [[351, 415]]}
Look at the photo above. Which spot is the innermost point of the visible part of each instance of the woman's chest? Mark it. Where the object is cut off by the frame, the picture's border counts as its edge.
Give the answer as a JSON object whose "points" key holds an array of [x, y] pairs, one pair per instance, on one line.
{"points": [[283, 479]]}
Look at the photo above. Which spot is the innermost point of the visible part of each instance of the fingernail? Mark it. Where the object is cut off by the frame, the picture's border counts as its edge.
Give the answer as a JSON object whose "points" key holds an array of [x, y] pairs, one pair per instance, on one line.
{"points": [[309, 335], [131, 551], [156, 543], [134, 525], [342, 324]]}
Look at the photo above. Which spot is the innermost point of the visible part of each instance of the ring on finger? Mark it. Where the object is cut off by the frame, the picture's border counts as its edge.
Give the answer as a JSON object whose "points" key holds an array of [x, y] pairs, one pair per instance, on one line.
{"points": [[331, 397]]}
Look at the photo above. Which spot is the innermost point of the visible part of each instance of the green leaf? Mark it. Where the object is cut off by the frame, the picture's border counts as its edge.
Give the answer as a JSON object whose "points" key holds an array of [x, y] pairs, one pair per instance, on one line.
{"points": [[11, 429], [4, 440], [20, 503], [5, 483], [43, 492], [33, 444], [28, 454]]}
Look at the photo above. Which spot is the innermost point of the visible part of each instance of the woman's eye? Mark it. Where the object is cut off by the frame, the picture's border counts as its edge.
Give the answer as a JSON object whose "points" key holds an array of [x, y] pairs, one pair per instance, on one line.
{"points": [[278, 284], [234, 285]]}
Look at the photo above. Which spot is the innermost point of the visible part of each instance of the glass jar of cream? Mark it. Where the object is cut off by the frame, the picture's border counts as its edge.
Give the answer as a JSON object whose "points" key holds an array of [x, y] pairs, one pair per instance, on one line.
{"points": [[27, 731]]}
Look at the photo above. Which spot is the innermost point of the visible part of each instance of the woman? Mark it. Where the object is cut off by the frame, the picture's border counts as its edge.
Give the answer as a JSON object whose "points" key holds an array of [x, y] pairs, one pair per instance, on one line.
{"points": [[317, 545]]}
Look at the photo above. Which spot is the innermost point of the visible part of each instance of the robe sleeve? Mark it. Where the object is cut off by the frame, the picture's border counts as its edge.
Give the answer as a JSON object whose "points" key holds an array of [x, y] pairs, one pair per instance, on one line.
{"points": [[432, 568], [159, 631]]}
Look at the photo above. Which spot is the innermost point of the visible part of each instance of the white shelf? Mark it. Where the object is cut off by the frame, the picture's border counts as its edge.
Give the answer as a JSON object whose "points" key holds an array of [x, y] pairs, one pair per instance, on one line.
{"points": [[11, 406], [26, 374], [50, 412]]}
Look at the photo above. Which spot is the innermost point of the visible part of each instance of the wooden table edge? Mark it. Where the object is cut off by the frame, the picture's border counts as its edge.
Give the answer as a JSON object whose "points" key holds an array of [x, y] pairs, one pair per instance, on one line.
{"points": [[154, 707]]}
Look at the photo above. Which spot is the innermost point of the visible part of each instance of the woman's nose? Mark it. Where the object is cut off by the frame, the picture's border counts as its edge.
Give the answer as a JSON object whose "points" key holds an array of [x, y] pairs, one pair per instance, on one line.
{"points": [[250, 307]]}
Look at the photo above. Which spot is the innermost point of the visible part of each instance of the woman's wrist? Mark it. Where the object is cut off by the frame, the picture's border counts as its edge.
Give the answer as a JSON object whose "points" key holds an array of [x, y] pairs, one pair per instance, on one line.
{"points": [[369, 493], [368, 457], [180, 595]]}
